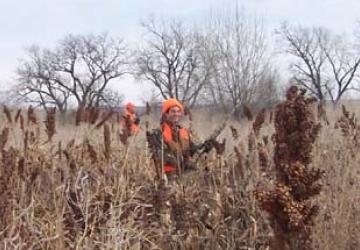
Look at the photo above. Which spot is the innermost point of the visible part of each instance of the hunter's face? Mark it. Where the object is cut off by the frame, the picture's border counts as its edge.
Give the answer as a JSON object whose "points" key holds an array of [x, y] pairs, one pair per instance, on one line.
{"points": [[174, 115]]}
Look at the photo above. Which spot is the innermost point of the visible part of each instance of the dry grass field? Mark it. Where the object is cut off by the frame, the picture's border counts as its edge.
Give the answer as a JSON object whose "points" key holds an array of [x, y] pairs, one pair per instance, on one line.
{"points": [[85, 189]]}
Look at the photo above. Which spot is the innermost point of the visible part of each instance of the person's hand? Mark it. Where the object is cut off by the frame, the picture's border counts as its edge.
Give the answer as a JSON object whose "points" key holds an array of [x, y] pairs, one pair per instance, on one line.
{"points": [[208, 145]]}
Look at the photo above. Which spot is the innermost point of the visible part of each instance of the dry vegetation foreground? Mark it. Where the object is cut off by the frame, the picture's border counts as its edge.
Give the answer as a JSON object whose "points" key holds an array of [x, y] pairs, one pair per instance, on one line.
{"points": [[85, 189]]}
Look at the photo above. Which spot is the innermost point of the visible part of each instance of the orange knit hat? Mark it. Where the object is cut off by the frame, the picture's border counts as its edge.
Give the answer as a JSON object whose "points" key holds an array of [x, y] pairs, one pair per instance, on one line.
{"points": [[130, 106], [169, 103]]}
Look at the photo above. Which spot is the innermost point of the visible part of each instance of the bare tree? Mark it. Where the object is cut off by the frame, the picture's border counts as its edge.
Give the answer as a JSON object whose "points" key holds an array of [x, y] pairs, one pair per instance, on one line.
{"points": [[172, 60], [344, 63], [306, 45], [326, 64], [37, 85], [79, 68], [110, 98], [240, 58]]}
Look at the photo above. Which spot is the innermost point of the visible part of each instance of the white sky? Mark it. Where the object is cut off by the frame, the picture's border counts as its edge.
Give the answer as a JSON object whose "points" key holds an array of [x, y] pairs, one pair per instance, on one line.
{"points": [[43, 22]]}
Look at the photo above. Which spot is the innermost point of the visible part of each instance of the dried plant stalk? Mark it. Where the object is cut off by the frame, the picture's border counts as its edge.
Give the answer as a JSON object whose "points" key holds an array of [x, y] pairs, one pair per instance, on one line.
{"points": [[263, 156], [148, 108], [107, 141], [79, 116], [4, 138], [105, 118], [7, 113], [247, 112], [187, 111], [322, 112], [50, 123], [94, 114], [26, 141], [92, 152], [234, 132], [17, 115], [259, 121], [288, 205], [22, 122], [271, 117], [31, 115]]}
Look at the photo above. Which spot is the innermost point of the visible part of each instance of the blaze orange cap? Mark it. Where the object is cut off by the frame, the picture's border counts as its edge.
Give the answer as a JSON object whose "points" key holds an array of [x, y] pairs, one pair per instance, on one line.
{"points": [[130, 106], [169, 103]]}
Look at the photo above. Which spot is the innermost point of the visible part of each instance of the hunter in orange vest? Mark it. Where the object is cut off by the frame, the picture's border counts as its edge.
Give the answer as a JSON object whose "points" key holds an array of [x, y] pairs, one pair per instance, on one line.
{"points": [[130, 120], [178, 146]]}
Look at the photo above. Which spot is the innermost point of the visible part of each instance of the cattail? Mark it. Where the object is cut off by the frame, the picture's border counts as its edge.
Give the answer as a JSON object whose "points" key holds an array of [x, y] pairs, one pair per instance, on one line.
{"points": [[60, 150], [239, 167], [263, 156], [4, 138], [50, 122], [79, 115], [187, 111], [322, 112], [251, 141], [345, 112], [8, 161], [38, 134], [247, 113], [93, 115], [105, 118], [31, 115], [17, 115], [259, 121], [148, 108], [7, 113], [107, 141], [26, 141], [266, 140], [21, 168], [21, 121], [124, 135], [32, 137], [91, 151], [234, 132]]}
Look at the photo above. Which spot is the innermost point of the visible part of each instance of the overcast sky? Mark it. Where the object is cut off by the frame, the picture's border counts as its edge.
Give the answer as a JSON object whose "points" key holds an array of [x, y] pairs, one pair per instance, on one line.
{"points": [[43, 22]]}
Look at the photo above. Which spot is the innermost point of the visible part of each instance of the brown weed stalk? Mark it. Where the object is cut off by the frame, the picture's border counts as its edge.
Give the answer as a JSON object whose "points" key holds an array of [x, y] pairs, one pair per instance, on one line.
{"points": [[92, 152], [289, 203], [94, 114], [22, 122], [148, 108], [107, 141], [259, 121], [79, 116], [7, 113], [4, 136], [31, 115], [248, 113], [234, 132], [104, 119], [321, 112], [348, 125], [17, 115], [50, 122]]}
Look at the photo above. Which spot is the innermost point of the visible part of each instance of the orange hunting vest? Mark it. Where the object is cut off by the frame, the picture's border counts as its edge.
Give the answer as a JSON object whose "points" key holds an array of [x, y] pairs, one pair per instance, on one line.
{"points": [[129, 122], [177, 141]]}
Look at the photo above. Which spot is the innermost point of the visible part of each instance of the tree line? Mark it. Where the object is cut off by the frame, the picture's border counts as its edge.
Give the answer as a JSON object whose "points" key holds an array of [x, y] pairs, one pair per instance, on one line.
{"points": [[226, 62]]}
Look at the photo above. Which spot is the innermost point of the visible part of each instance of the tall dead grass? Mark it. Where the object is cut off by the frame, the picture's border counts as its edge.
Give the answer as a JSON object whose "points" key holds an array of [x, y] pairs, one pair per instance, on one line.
{"points": [[84, 189]]}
